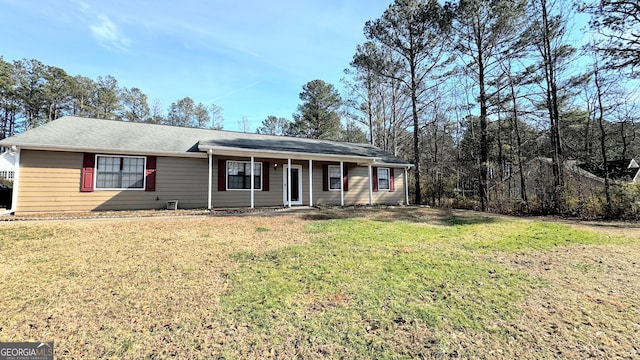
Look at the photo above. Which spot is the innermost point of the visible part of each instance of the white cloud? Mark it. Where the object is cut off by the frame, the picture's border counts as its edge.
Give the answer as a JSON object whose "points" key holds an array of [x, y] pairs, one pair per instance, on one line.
{"points": [[109, 35]]}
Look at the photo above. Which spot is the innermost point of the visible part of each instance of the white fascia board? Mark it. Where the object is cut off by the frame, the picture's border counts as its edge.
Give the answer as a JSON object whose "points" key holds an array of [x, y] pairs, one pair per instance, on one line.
{"points": [[392, 165], [114, 151], [231, 151]]}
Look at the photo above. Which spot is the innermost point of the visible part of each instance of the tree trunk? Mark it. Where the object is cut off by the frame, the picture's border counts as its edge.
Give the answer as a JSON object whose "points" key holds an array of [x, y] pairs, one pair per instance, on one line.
{"points": [[416, 131], [484, 140], [370, 108], [552, 106], [603, 146], [587, 140], [523, 182], [623, 137], [394, 118]]}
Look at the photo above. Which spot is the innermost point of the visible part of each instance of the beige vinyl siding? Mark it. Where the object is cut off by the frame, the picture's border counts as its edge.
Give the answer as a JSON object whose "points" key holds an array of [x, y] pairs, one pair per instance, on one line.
{"points": [[50, 182], [359, 184], [242, 198], [358, 193], [331, 197]]}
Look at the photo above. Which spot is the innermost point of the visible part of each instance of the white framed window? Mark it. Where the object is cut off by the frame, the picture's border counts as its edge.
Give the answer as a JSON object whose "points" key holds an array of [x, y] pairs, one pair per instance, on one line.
{"points": [[383, 179], [239, 175], [120, 172], [334, 177]]}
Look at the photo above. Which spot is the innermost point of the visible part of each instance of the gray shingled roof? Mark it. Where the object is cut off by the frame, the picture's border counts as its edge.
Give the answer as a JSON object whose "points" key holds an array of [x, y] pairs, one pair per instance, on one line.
{"points": [[74, 133]]}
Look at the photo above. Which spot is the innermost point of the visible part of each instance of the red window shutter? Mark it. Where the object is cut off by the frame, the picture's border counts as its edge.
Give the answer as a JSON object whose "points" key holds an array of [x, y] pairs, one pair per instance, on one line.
{"points": [[222, 175], [151, 173], [325, 177], [392, 182], [374, 170], [87, 172], [265, 176], [345, 178]]}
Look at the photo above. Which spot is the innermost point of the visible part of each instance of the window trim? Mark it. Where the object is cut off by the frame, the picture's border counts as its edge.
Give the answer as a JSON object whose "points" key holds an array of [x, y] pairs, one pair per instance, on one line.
{"points": [[226, 174], [388, 179], [144, 173], [329, 177]]}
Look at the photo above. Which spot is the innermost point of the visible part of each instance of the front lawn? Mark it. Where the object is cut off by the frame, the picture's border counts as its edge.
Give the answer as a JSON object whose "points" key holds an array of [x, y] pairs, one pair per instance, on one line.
{"points": [[383, 283]]}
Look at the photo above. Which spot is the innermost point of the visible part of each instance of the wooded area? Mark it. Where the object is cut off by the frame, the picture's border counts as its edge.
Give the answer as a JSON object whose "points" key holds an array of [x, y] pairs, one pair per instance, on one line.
{"points": [[498, 109], [32, 93], [490, 99]]}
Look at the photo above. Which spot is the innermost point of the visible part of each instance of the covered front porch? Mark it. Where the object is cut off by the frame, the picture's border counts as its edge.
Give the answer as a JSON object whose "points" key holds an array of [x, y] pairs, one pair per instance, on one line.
{"points": [[242, 178]]}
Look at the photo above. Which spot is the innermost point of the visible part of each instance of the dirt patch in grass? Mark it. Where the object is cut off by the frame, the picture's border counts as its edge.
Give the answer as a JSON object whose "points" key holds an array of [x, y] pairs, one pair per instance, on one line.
{"points": [[412, 214], [173, 287]]}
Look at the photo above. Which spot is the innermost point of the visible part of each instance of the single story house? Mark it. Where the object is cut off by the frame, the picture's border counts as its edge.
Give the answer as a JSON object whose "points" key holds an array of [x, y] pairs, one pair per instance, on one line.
{"points": [[583, 183], [81, 164], [7, 165], [620, 171]]}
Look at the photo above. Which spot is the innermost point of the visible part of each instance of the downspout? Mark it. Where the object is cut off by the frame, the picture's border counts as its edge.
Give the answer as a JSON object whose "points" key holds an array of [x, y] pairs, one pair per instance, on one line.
{"points": [[16, 180]]}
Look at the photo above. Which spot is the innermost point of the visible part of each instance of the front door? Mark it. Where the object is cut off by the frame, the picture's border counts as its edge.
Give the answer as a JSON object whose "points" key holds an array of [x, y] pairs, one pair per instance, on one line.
{"points": [[296, 185]]}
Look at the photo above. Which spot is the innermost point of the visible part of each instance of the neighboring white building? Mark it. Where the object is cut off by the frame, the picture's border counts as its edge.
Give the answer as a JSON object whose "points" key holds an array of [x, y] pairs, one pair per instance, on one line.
{"points": [[7, 165]]}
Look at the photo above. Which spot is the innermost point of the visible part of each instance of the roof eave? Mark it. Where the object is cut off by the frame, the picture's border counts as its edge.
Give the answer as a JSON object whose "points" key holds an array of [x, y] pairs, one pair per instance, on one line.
{"points": [[402, 165], [233, 151], [110, 151]]}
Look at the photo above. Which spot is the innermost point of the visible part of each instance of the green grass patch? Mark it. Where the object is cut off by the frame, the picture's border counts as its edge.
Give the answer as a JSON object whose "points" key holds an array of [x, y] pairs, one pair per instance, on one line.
{"points": [[242, 256], [360, 281]]}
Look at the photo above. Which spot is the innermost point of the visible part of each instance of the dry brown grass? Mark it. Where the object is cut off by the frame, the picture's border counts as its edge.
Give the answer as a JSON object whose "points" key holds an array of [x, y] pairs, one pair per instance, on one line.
{"points": [[150, 288], [591, 308], [134, 288]]}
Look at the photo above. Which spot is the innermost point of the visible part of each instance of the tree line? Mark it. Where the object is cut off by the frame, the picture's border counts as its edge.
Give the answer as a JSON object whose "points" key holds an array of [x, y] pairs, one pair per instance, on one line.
{"points": [[32, 93], [473, 91]]}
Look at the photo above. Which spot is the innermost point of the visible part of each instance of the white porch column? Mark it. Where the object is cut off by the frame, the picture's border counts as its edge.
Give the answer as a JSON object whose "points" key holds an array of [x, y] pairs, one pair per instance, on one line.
{"points": [[370, 186], [289, 182], [16, 182], [310, 182], [406, 187], [252, 185], [209, 201], [341, 183]]}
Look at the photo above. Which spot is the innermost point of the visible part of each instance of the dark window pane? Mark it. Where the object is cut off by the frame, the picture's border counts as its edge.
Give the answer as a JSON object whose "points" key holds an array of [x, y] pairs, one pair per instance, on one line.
{"points": [[239, 175], [120, 172]]}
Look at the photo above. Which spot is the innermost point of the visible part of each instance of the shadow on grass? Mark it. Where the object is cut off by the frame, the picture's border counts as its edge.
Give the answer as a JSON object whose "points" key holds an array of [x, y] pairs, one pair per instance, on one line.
{"points": [[412, 214], [458, 218], [613, 224]]}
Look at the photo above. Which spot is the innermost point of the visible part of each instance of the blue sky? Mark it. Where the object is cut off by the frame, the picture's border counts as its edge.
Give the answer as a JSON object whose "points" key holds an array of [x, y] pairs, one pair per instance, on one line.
{"points": [[249, 57]]}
